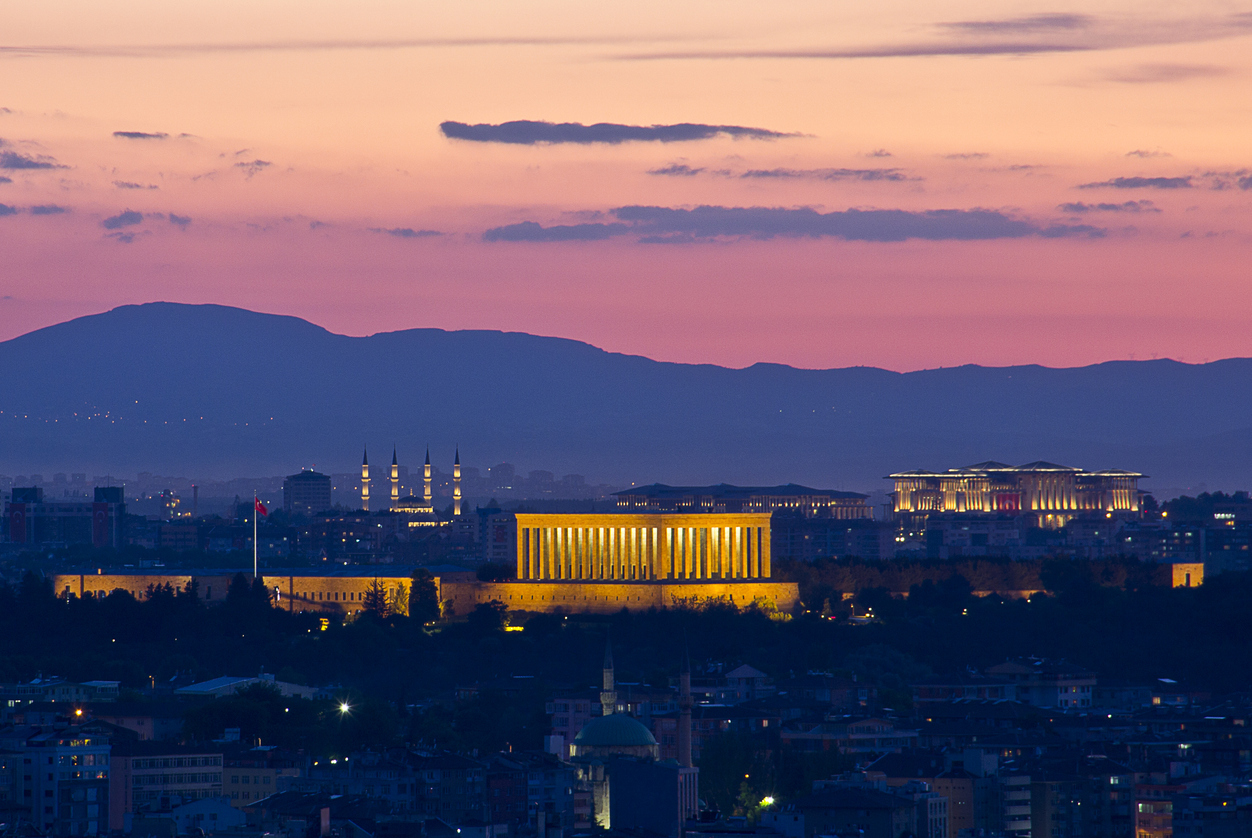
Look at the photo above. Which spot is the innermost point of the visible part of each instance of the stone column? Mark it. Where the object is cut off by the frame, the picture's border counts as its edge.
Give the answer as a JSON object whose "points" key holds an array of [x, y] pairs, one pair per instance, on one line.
{"points": [[522, 535], [765, 553]]}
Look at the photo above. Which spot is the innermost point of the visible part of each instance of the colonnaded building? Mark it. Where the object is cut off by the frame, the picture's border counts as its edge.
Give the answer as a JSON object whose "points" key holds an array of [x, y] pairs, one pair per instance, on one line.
{"points": [[573, 563], [1055, 494]]}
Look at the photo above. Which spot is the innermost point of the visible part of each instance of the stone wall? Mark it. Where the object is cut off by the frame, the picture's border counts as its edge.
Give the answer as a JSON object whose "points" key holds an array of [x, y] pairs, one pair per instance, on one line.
{"points": [[340, 594], [609, 597], [324, 594]]}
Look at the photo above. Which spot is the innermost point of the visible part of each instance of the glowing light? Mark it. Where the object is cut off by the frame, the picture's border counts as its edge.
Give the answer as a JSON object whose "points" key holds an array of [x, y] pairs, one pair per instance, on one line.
{"points": [[767, 801], [344, 707]]}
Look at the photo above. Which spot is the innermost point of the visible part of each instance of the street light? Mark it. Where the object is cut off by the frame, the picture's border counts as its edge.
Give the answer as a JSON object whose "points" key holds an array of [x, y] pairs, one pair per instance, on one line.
{"points": [[344, 707]]}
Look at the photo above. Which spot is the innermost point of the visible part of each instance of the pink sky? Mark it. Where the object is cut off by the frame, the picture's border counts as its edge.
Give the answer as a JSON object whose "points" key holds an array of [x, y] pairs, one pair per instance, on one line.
{"points": [[1003, 107]]}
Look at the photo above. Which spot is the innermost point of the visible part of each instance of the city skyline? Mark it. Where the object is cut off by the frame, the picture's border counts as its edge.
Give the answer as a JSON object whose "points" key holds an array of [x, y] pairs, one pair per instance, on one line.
{"points": [[984, 183]]}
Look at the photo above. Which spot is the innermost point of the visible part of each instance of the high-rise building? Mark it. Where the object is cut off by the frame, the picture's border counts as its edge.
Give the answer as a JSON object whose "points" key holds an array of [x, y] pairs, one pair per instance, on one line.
{"points": [[307, 493]]}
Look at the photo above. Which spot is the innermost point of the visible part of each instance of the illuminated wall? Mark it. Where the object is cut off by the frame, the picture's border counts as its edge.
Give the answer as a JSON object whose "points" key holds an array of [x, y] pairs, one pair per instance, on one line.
{"points": [[336, 594], [648, 547], [344, 595], [611, 597]]}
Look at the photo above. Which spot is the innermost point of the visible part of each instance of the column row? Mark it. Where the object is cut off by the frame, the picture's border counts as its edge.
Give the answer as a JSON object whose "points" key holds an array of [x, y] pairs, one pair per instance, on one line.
{"points": [[642, 553]]}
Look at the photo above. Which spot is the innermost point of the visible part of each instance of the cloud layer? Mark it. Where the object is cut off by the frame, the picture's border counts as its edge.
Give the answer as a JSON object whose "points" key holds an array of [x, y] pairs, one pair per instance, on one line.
{"points": [[1127, 206], [16, 160], [1141, 183], [406, 232], [706, 223], [126, 218], [827, 174], [1040, 34], [527, 132]]}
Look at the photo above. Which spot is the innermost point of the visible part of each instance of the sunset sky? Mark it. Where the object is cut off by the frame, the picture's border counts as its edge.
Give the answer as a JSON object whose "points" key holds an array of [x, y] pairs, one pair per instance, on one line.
{"points": [[898, 183]]}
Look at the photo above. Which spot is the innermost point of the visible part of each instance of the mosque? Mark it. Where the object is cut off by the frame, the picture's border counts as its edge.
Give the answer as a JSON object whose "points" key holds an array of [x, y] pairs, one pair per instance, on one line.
{"points": [[411, 504], [617, 758]]}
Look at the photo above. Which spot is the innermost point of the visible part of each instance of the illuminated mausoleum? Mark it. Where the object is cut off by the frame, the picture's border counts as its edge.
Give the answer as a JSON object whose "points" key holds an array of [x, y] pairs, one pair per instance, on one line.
{"points": [[1055, 493]]}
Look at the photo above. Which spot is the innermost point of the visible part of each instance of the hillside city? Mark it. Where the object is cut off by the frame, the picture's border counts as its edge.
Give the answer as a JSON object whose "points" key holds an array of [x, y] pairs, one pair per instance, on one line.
{"points": [[1047, 651]]}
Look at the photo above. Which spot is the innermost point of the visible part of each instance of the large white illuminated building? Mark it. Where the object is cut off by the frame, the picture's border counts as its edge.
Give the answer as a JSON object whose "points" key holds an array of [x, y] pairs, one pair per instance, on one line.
{"points": [[1052, 493]]}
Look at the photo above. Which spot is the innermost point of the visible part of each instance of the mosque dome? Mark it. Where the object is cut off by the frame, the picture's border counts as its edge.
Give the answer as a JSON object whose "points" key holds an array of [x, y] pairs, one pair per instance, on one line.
{"points": [[615, 731]]}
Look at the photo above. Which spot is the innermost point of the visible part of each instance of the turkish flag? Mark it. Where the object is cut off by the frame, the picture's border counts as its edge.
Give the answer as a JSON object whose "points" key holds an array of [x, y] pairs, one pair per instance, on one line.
{"points": [[260, 507]]}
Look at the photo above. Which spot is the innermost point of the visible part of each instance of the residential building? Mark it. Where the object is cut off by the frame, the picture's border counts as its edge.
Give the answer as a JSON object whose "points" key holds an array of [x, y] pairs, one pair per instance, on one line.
{"points": [[150, 776], [848, 735], [66, 780], [1047, 683]]}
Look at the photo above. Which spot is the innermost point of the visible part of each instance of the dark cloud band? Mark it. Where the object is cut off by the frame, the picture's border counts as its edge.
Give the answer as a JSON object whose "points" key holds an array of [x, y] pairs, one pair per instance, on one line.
{"points": [[406, 232], [530, 231], [14, 160], [1141, 183], [140, 135], [706, 223], [1127, 206], [528, 132], [126, 218]]}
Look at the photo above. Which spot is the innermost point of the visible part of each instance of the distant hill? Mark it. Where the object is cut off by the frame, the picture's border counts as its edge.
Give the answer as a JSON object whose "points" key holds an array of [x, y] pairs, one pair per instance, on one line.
{"points": [[213, 391]]}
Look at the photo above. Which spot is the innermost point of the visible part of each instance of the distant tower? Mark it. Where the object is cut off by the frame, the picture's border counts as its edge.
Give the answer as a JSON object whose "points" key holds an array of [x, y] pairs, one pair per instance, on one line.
{"points": [[395, 479], [365, 481], [608, 694], [684, 712], [456, 483], [426, 496]]}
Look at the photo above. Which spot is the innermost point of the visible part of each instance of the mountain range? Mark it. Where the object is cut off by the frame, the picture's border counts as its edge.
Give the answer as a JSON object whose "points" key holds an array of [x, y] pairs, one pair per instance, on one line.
{"points": [[213, 392]]}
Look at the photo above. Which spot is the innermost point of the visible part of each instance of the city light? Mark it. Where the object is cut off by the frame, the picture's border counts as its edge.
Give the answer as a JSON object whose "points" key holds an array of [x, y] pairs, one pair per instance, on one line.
{"points": [[344, 707]]}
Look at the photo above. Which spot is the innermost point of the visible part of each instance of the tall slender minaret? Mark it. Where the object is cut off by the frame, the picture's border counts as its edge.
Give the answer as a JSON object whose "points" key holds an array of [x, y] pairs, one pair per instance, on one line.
{"points": [[608, 693], [684, 712], [456, 483], [365, 480], [426, 495], [395, 479]]}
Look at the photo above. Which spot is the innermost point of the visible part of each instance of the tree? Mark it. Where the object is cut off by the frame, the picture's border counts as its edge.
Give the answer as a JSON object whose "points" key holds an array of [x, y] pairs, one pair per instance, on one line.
{"points": [[423, 597], [398, 601], [488, 617], [375, 600]]}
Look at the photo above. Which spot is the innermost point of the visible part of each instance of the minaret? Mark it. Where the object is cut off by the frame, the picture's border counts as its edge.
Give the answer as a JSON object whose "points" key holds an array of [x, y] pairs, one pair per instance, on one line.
{"points": [[456, 483], [608, 694], [684, 712], [426, 496], [365, 480], [395, 479]]}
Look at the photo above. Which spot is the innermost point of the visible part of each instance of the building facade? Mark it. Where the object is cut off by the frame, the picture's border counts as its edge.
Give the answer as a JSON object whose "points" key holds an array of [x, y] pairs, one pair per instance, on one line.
{"points": [[1051, 493], [148, 776], [812, 503], [307, 493], [643, 547], [30, 519]]}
